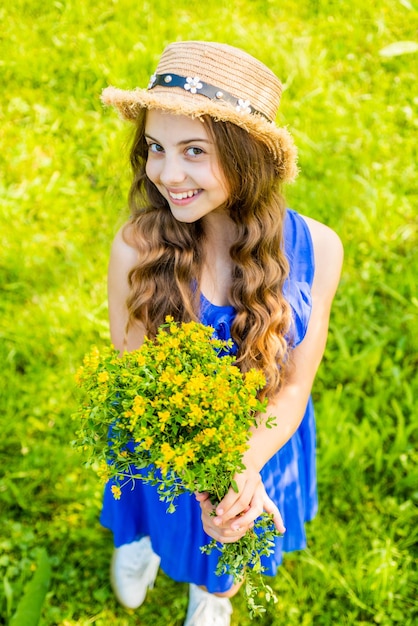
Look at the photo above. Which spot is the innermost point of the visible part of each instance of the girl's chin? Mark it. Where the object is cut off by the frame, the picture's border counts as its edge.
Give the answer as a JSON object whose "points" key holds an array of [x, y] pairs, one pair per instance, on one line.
{"points": [[185, 219], [184, 215]]}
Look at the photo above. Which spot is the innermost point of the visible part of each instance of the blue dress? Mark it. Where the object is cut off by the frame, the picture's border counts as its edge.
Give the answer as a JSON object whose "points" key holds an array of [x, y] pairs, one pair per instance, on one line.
{"points": [[289, 476]]}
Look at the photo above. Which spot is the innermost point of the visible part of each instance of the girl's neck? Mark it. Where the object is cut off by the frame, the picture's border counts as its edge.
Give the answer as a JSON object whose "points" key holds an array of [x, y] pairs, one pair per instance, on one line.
{"points": [[220, 233], [216, 278]]}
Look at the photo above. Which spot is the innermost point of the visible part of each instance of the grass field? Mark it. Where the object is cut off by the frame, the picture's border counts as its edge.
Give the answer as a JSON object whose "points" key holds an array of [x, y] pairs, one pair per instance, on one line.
{"points": [[351, 102]]}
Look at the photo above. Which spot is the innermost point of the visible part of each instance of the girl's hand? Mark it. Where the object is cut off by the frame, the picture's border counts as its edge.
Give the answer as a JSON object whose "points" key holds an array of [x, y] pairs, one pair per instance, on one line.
{"points": [[236, 513]]}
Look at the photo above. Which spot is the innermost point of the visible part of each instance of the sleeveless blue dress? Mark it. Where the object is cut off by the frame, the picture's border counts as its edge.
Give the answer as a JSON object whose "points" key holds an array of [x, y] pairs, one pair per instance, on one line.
{"points": [[289, 476]]}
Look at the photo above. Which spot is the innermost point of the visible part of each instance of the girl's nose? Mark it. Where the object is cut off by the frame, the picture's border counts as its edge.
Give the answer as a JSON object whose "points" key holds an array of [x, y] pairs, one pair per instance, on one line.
{"points": [[172, 172]]}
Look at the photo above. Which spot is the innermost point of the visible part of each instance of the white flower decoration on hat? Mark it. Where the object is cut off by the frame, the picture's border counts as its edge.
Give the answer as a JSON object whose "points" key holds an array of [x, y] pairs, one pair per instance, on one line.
{"points": [[152, 80], [193, 84], [243, 106]]}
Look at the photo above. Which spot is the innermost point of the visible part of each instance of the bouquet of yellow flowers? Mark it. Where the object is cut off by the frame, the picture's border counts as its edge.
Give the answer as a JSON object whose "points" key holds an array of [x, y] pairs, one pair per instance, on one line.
{"points": [[179, 407]]}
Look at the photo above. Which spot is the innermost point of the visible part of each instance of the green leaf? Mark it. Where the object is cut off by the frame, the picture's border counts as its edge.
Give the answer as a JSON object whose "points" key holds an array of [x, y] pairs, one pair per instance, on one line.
{"points": [[28, 612], [234, 486], [8, 592], [398, 48]]}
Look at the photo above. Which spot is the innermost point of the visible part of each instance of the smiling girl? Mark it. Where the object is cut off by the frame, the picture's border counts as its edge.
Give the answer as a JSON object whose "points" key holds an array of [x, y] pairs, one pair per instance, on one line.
{"points": [[210, 239]]}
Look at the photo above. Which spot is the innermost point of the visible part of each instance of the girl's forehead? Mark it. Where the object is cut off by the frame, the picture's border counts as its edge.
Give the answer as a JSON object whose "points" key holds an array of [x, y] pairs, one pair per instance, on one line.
{"points": [[159, 121]]}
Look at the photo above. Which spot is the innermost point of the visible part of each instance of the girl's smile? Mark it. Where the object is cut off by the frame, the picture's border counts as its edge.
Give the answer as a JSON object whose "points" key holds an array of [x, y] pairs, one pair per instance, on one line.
{"points": [[183, 195], [183, 164]]}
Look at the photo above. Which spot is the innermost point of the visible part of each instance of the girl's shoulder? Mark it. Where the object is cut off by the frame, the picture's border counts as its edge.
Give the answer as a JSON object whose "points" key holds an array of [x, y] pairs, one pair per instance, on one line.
{"points": [[123, 252], [311, 235], [326, 243], [328, 257]]}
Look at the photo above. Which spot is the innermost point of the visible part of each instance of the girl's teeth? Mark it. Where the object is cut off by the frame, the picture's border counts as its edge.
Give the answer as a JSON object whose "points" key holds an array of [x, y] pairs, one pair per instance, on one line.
{"points": [[184, 195]]}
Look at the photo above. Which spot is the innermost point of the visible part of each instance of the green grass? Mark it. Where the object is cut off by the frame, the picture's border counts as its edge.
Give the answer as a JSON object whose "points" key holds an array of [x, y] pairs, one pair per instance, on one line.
{"points": [[63, 183]]}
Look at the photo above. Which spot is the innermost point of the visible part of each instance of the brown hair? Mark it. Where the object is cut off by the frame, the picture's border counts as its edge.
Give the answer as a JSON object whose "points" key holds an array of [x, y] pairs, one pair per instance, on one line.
{"points": [[164, 281]]}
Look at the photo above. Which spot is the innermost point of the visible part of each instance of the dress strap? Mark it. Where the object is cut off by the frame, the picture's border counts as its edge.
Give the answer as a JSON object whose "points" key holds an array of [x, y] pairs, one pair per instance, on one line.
{"points": [[298, 247]]}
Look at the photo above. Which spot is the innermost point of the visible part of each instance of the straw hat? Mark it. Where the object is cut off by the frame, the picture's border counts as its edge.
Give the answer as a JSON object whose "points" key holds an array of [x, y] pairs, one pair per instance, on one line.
{"points": [[197, 78]]}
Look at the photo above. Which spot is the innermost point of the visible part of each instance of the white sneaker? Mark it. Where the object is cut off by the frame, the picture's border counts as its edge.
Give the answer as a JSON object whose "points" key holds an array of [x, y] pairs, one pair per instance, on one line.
{"points": [[206, 609], [133, 571]]}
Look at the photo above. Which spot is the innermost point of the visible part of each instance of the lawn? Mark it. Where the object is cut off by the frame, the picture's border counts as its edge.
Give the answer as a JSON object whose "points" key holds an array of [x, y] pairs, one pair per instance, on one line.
{"points": [[350, 101]]}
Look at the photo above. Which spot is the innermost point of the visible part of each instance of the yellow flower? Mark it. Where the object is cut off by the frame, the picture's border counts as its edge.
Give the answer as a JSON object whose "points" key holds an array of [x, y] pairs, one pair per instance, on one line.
{"points": [[78, 376], [170, 375], [163, 466], [180, 462], [178, 379], [177, 399], [103, 471], [252, 402], [229, 447], [190, 454], [139, 405], [173, 343], [188, 328], [167, 452], [164, 417], [147, 442], [103, 377], [195, 414], [219, 404], [92, 360], [141, 359], [229, 422], [195, 384], [209, 434], [116, 491], [254, 379], [166, 376]]}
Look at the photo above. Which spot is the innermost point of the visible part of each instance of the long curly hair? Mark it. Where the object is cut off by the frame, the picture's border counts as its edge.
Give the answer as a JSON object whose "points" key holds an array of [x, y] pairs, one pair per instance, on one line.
{"points": [[166, 279]]}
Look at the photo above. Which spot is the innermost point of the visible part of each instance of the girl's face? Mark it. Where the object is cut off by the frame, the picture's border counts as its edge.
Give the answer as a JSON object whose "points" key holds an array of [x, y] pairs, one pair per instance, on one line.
{"points": [[183, 165]]}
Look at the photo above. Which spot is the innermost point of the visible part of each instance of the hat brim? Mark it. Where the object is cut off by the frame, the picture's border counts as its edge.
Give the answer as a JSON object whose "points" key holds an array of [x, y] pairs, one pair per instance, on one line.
{"points": [[278, 139]]}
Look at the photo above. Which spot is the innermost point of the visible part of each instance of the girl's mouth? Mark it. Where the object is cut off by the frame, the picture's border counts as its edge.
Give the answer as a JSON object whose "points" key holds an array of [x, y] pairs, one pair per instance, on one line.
{"points": [[182, 195]]}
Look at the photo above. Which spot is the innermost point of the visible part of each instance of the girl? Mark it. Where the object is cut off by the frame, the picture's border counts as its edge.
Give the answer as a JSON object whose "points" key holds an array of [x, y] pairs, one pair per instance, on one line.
{"points": [[209, 238]]}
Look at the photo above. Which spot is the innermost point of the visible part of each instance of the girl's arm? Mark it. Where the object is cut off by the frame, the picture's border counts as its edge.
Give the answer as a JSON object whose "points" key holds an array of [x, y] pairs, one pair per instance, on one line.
{"points": [[123, 258], [289, 406]]}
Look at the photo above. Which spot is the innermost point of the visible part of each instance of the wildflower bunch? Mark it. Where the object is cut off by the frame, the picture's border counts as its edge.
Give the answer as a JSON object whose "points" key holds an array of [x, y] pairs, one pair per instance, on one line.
{"points": [[180, 409]]}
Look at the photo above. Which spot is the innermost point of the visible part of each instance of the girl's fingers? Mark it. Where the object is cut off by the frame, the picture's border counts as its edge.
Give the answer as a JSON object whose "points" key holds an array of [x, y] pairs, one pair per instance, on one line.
{"points": [[237, 512], [246, 516], [201, 496], [272, 509], [235, 503], [259, 505], [250, 514]]}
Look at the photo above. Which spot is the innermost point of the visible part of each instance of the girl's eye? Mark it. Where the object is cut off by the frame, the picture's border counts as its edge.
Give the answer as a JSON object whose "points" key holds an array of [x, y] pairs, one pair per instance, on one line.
{"points": [[155, 147], [194, 151]]}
